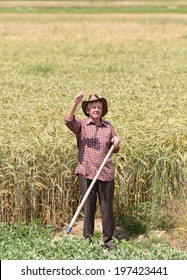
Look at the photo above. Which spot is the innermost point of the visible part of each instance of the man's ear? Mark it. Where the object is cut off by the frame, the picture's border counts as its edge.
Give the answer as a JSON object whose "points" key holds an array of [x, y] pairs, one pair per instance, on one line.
{"points": [[87, 110]]}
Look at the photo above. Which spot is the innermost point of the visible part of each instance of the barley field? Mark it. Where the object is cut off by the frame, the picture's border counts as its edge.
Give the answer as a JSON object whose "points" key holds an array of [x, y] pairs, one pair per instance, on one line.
{"points": [[138, 62]]}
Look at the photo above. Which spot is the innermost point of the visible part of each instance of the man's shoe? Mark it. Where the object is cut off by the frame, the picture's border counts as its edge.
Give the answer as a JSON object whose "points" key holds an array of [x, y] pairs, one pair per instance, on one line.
{"points": [[109, 245], [89, 239]]}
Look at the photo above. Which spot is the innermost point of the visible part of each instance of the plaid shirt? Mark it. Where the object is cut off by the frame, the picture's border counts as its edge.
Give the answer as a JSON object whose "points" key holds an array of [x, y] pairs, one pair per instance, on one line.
{"points": [[94, 142]]}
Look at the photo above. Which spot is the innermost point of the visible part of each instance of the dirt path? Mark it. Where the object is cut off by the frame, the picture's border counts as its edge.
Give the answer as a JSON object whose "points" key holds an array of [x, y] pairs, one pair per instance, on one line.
{"points": [[177, 237]]}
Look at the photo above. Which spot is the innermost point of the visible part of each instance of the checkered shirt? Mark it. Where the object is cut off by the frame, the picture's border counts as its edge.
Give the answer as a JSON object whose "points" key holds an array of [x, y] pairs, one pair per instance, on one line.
{"points": [[94, 142]]}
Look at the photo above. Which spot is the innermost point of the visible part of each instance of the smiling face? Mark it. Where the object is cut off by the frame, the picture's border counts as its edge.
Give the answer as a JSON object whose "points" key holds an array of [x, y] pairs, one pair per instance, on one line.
{"points": [[95, 110]]}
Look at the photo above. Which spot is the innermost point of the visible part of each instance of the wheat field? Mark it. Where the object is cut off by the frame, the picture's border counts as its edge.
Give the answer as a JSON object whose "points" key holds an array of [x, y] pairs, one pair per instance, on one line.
{"points": [[138, 62]]}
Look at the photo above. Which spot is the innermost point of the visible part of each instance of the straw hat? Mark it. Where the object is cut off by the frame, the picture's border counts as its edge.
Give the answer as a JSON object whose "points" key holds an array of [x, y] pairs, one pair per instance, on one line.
{"points": [[92, 98]]}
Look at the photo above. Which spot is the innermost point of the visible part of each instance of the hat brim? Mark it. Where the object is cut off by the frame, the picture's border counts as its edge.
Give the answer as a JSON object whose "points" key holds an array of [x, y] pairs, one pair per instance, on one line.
{"points": [[104, 106]]}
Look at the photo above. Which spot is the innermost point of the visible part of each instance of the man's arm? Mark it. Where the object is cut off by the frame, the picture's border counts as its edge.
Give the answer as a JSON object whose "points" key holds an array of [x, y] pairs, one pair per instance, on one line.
{"points": [[116, 142], [77, 100]]}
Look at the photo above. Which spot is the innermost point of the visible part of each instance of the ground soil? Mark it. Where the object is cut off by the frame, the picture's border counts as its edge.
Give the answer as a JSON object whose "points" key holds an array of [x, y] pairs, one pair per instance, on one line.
{"points": [[176, 237]]}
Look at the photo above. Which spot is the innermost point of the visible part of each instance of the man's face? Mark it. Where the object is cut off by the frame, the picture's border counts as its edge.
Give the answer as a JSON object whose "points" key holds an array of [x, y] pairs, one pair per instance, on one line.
{"points": [[95, 110]]}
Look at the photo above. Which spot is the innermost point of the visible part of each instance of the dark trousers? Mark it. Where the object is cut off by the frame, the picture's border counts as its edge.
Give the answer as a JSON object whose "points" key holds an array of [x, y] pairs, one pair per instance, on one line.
{"points": [[105, 193]]}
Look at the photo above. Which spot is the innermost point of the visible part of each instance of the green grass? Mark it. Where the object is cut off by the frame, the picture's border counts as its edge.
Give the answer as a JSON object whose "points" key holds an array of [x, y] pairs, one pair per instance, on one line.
{"points": [[21, 242], [93, 10]]}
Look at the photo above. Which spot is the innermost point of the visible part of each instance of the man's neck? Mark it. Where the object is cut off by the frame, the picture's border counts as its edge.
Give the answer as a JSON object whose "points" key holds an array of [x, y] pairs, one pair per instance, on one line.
{"points": [[96, 121]]}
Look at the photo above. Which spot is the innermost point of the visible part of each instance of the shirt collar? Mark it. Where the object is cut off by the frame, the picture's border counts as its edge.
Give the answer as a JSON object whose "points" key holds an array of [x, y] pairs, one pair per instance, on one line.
{"points": [[89, 122]]}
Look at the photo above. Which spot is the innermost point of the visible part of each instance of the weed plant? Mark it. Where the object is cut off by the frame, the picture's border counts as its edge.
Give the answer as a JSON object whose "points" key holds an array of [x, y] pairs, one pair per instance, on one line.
{"points": [[21, 242]]}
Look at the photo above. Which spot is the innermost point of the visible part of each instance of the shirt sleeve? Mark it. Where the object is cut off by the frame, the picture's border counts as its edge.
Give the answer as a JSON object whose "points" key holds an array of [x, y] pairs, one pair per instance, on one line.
{"points": [[74, 125], [114, 134]]}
